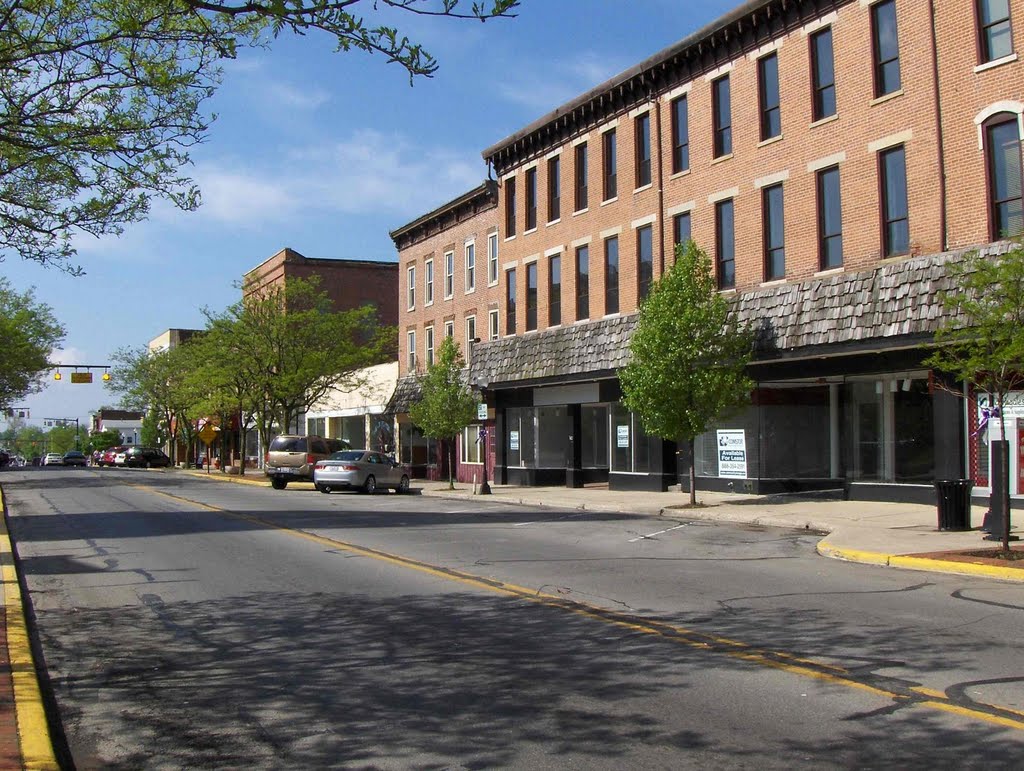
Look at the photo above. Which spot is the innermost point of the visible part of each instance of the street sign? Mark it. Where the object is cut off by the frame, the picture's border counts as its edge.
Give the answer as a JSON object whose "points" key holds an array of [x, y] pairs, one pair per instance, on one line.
{"points": [[208, 433], [81, 377], [481, 412]]}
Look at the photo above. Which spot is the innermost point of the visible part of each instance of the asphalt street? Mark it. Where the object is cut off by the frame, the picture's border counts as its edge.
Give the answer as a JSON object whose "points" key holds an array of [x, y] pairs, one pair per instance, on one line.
{"points": [[186, 623]]}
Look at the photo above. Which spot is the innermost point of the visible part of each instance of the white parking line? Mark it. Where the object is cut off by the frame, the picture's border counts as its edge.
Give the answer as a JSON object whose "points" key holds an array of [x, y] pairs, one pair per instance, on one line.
{"points": [[660, 532]]}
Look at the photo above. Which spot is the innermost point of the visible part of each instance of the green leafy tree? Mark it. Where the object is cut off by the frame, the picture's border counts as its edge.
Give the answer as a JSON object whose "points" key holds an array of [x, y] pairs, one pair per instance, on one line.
{"points": [[688, 359], [152, 433], [28, 333], [284, 348], [446, 404], [982, 340], [103, 99], [101, 440]]}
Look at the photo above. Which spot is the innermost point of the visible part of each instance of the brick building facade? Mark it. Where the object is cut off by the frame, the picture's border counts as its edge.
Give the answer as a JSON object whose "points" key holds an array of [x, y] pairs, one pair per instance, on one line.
{"points": [[831, 156]]}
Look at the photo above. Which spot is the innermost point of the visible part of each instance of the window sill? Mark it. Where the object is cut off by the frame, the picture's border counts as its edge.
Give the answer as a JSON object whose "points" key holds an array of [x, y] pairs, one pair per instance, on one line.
{"points": [[773, 282], [770, 141], [529, 231], [727, 290], [678, 174], [449, 296], [492, 283], [721, 159], [996, 63], [471, 291], [829, 271], [827, 119], [887, 97], [510, 238], [578, 212], [427, 305], [612, 315], [640, 189], [582, 321], [609, 200], [553, 222]]}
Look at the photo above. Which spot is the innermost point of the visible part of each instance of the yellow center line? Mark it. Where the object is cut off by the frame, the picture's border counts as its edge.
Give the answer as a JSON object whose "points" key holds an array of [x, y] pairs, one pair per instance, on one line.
{"points": [[780, 660]]}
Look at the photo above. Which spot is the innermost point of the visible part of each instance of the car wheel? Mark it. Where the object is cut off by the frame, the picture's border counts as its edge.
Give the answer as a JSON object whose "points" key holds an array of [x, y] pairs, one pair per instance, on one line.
{"points": [[370, 485], [403, 485], [147, 464], [326, 489], [277, 483]]}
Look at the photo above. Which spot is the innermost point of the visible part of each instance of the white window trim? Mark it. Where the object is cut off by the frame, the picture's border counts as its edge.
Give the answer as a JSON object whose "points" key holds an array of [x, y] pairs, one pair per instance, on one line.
{"points": [[495, 314], [449, 292], [1007, 105], [683, 208], [410, 340], [722, 195], [492, 238], [650, 219], [470, 245], [410, 292], [428, 345], [428, 283], [890, 141], [449, 328], [826, 162], [771, 179], [471, 317]]}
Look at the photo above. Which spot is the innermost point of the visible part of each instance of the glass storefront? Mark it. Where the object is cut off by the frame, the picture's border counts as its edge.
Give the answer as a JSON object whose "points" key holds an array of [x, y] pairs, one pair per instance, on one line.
{"points": [[888, 426], [631, 446], [537, 437], [594, 436], [417, 450]]}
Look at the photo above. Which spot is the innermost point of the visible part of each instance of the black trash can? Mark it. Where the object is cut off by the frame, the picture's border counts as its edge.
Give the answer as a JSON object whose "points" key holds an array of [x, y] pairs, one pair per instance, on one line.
{"points": [[954, 501]]}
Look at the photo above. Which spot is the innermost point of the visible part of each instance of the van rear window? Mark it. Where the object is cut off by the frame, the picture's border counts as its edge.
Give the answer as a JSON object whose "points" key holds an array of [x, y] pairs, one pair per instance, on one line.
{"points": [[288, 444]]}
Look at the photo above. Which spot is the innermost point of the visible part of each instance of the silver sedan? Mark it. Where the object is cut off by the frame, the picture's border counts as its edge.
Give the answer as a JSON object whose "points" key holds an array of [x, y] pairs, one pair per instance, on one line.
{"points": [[360, 469]]}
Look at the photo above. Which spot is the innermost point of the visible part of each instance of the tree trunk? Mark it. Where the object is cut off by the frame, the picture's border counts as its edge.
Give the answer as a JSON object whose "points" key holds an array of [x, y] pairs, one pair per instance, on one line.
{"points": [[451, 464], [693, 473]]}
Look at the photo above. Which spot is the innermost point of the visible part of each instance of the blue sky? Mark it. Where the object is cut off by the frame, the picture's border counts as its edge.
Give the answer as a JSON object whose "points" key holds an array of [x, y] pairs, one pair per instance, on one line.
{"points": [[326, 153]]}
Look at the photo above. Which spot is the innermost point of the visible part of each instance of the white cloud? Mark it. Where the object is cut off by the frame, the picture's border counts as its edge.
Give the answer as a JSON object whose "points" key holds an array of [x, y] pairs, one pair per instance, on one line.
{"points": [[280, 94], [69, 356], [559, 81]]}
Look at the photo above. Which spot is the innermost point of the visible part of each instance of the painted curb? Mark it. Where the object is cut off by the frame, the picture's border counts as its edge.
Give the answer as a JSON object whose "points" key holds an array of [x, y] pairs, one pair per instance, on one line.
{"points": [[33, 730], [907, 562]]}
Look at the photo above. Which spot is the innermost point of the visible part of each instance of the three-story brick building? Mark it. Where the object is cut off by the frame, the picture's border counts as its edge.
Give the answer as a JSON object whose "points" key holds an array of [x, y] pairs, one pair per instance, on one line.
{"points": [[831, 156]]}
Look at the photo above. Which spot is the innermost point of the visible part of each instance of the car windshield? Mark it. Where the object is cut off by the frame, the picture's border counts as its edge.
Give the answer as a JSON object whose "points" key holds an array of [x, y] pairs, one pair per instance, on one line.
{"points": [[347, 455]]}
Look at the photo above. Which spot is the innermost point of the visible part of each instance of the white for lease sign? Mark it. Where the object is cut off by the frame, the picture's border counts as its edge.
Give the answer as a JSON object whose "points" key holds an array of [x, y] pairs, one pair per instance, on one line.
{"points": [[732, 453]]}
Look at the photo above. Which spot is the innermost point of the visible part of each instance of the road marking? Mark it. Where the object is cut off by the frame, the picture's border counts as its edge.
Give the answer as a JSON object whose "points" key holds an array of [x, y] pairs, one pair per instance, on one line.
{"points": [[33, 731], [880, 685], [660, 532]]}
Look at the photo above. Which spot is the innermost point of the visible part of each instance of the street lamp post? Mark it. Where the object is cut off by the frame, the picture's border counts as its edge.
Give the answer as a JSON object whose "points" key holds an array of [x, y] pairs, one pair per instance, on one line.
{"points": [[485, 489]]}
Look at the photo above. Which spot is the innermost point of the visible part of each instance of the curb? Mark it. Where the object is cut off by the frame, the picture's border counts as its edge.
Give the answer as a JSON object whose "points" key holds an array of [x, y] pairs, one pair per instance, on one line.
{"points": [[908, 562], [35, 744]]}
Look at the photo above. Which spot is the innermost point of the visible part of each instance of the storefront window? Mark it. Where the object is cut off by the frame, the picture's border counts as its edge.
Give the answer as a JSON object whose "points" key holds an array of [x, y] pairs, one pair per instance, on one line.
{"points": [[353, 430], [417, 450], [471, 444], [382, 434], [594, 429], [794, 424], [316, 426], [631, 446], [888, 425]]}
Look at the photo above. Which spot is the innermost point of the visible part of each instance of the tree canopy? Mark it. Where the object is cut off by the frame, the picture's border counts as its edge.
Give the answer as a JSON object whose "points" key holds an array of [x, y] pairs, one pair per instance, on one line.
{"points": [[101, 100], [28, 333], [982, 341], [688, 354], [446, 404]]}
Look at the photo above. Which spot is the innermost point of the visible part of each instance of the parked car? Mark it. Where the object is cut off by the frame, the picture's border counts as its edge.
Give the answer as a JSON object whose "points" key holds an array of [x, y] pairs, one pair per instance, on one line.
{"points": [[53, 459], [74, 458], [291, 458], [146, 457], [360, 469], [106, 458]]}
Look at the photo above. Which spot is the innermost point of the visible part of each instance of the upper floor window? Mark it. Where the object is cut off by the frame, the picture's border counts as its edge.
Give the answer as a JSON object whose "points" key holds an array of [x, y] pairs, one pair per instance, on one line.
{"points": [[768, 96], [554, 188], [410, 287], [449, 329], [823, 75], [611, 275], [725, 243], [428, 282], [449, 274], [995, 36], [428, 346], [531, 198], [895, 215], [510, 207], [493, 328], [680, 135], [642, 138], [582, 282], [470, 267], [410, 343], [645, 261], [510, 301], [609, 164], [681, 228], [886, 47], [774, 233], [470, 331], [580, 162], [531, 297], [555, 290], [492, 258], [830, 219], [722, 111], [1005, 177]]}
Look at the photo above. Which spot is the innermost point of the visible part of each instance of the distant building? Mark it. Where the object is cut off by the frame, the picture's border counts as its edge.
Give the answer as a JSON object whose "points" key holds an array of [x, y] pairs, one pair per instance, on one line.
{"points": [[171, 338], [126, 422]]}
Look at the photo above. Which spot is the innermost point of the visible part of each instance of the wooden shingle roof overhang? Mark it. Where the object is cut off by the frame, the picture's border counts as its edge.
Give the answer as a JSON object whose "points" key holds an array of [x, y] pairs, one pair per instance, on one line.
{"points": [[894, 306], [456, 211], [744, 29]]}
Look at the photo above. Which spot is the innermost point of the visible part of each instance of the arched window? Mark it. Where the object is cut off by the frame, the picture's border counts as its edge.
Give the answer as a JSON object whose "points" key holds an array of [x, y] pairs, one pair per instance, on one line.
{"points": [[1002, 138]]}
